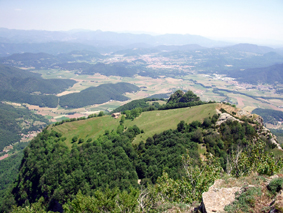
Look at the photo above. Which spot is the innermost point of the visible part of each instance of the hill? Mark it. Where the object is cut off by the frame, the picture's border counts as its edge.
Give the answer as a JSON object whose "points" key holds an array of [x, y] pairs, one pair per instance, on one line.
{"points": [[14, 123], [103, 156], [252, 48], [266, 75], [97, 95], [45, 61], [25, 87], [152, 122], [269, 115], [36, 60], [15, 79], [51, 47]]}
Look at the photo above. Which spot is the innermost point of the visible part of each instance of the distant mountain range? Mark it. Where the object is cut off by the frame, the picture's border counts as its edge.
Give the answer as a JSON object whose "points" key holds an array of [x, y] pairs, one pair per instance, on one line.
{"points": [[57, 42], [100, 38]]}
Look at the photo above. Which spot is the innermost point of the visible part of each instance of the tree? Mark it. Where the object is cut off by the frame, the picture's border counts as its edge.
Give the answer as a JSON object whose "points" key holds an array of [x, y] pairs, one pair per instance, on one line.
{"points": [[181, 126], [74, 139]]}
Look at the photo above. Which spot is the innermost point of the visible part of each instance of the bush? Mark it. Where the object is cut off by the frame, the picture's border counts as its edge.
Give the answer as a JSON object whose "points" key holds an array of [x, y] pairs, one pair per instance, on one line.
{"points": [[74, 139], [244, 201], [275, 185]]}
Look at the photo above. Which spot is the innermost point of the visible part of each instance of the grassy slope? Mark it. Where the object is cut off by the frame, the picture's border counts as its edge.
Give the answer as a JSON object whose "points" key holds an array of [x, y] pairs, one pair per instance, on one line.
{"points": [[151, 122]]}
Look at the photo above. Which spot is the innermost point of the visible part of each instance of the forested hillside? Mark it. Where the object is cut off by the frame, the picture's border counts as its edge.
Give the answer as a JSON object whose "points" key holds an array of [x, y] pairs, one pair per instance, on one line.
{"points": [[15, 121], [14, 79], [98, 95], [11, 123], [117, 69], [44, 61], [17, 86], [269, 115], [266, 75], [53, 174]]}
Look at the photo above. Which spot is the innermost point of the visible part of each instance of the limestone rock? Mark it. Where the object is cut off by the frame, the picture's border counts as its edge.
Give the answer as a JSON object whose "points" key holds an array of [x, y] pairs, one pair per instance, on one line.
{"points": [[216, 198], [225, 117]]}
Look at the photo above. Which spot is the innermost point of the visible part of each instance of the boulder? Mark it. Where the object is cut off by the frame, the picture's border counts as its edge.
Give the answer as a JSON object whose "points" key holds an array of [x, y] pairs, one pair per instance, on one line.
{"points": [[216, 198]]}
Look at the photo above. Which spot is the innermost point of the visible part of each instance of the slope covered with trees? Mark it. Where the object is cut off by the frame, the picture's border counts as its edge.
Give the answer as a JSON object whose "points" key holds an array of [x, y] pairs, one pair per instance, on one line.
{"points": [[52, 174], [13, 123], [10, 123], [265, 75], [98, 95], [17, 86], [14, 79], [269, 115]]}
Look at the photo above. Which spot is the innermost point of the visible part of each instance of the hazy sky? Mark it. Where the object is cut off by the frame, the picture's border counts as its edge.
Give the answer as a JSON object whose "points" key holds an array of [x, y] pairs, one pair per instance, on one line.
{"points": [[256, 19]]}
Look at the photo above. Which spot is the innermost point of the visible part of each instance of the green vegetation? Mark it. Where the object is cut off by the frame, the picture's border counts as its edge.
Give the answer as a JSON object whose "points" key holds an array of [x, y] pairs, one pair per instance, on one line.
{"points": [[152, 122], [181, 99], [117, 69], [20, 97], [13, 79], [17, 86], [169, 160], [265, 75], [11, 123], [97, 95], [244, 201], [105, 169], [269, 115], [9, 169], [275, 185], [141, 103]]}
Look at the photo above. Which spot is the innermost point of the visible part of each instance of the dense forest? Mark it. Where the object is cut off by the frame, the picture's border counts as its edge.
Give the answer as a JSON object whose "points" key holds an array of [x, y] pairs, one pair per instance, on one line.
{"points": [[9, 169], [11, 119], [13, 122], [14, 79], [18, 85], [98, 95]]}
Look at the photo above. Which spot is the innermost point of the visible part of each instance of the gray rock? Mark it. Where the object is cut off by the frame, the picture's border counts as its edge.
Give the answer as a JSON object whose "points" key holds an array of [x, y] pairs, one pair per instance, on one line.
{"points": [[216, 198], [225, 117]]}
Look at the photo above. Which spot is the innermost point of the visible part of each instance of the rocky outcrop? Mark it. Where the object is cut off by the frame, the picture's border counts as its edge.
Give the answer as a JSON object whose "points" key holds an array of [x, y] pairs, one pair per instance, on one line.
{"points": [[222, 193], [216, 198], [253, 118], [225, 117]]}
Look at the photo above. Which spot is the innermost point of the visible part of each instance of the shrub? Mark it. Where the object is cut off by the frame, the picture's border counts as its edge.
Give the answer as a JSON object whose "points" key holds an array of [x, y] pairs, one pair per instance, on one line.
{"points": [[74, 139], [275, 185], [244, 201]]}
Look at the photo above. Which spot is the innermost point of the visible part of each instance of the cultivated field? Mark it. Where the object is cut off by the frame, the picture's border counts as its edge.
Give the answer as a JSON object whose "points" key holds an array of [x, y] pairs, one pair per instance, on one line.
{"points": [[200, 84]]}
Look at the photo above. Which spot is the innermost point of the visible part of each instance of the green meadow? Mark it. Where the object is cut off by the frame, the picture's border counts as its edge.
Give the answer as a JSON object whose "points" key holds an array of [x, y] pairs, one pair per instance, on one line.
{"points": [[152, 122]]}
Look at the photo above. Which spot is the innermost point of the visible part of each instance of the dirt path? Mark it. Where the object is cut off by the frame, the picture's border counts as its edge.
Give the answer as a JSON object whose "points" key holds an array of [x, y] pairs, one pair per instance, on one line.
{"points": [[3, 157]]}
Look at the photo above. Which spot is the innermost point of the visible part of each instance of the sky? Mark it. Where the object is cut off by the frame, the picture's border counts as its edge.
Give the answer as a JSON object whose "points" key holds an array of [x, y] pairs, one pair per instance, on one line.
{"points": [[255, 20]]}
